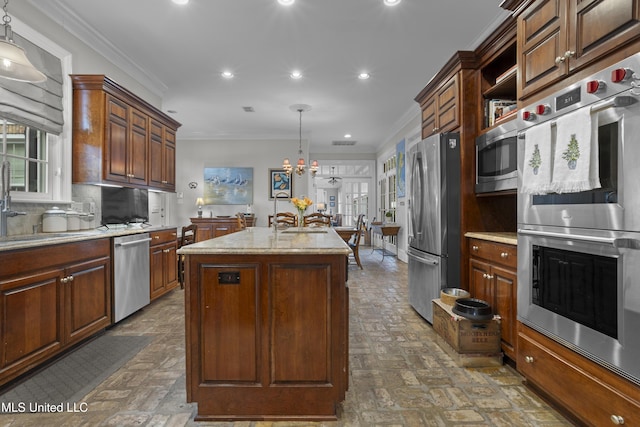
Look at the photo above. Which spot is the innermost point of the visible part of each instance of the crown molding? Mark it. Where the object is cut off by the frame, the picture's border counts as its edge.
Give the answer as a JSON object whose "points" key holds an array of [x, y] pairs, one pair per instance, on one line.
{"points": [[58, 11]]}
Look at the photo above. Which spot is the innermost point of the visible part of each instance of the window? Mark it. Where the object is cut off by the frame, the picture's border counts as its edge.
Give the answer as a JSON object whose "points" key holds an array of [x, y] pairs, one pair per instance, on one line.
{"points": [[26, 150], [388, 195]]}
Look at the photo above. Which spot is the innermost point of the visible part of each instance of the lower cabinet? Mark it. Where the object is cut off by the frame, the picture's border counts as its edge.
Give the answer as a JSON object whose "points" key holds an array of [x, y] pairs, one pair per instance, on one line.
{"points": [[51, 297], [209, 228], [163, 261], [493, 278], [588, 392]]}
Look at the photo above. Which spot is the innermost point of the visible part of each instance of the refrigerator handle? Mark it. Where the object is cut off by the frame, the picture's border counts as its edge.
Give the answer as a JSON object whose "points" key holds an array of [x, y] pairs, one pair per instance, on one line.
{"points": [[424, 260]]}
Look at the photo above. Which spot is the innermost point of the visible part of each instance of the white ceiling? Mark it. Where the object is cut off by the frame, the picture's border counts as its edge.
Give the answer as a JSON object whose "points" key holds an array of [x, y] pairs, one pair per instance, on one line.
{"points": [[178, 52]]}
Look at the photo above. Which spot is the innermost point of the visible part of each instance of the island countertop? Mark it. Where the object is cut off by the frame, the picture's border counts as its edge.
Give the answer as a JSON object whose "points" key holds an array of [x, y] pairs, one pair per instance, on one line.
{"points": [[263, 240]]}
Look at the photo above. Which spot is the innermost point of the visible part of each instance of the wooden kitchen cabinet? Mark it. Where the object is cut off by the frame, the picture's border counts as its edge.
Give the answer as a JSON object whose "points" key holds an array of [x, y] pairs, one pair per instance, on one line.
{"points": [[589, 393], [119, 138], [209, 228], [163, 261], [51, 297], [440, 101], [558, 37], [162, 157], [493, 278]]}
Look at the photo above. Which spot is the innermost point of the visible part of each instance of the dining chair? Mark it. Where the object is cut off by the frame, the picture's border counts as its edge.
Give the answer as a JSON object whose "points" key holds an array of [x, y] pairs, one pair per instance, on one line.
{"points": [[188, 237], [354, 243], [287, 219], [317, 219]]}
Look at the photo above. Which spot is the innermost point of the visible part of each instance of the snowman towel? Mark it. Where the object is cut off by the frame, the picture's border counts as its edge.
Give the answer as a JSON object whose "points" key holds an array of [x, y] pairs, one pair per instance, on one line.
{"points": [[536, 174], [575, 163]]}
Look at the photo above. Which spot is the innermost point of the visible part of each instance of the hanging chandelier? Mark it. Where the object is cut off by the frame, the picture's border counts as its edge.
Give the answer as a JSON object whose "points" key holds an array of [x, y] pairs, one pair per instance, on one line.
{"points": [[14, 64], [300, 167]]}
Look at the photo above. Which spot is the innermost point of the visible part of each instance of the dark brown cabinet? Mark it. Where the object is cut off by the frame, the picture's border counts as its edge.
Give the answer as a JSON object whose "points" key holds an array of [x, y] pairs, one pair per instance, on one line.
{"points": [[163, 261], [493, 278], [208, 228], [559, 37], [162, 156], [120, 139], [441, 111], [51, 298], [590, 393]]}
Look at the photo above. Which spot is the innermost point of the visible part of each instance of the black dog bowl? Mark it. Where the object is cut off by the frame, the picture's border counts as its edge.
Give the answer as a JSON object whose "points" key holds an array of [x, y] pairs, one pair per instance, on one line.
{"points": [[473, 309]]}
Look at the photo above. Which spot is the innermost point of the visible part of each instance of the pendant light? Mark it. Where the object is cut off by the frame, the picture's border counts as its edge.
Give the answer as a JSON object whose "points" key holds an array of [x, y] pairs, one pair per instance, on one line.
{"points": [[14, 64], [301, 167]]}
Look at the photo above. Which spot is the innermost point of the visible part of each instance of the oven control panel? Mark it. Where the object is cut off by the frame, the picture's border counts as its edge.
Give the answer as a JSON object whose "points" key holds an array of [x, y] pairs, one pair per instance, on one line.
{"points": [[621, 77]]}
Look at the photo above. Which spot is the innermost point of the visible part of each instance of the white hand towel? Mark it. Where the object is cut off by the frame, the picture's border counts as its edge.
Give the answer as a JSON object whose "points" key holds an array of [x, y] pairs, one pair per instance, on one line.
{"points": [[575, 163], [536, 174]]}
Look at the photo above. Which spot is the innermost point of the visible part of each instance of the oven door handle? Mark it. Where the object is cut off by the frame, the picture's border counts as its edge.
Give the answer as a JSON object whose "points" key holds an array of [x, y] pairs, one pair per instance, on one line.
{"points": [[617, 242]]}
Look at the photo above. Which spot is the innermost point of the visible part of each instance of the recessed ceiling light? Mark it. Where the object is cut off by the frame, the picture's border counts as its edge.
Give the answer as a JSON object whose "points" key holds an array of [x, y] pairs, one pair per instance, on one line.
{"points": [[295, 74], [180, 1], [227, 74], [286, 2], [347, 135], [364, 76], [391, 2]]}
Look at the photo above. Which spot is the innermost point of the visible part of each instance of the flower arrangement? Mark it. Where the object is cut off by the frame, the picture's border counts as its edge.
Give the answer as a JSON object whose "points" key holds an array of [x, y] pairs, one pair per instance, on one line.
{"points": [[301, 205]]}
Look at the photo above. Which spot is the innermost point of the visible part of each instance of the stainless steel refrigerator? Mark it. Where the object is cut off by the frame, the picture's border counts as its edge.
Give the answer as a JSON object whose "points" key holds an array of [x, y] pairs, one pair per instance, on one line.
{"points": [[434, 220]]}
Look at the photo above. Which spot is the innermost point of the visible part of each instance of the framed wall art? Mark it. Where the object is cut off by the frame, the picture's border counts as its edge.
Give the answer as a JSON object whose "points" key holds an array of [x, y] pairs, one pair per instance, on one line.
{"points": [[280, 184], [228, 186]]}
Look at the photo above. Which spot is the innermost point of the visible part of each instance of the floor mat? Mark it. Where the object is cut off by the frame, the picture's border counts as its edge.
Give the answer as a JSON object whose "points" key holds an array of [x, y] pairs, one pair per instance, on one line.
{"points": [[69, 379]]}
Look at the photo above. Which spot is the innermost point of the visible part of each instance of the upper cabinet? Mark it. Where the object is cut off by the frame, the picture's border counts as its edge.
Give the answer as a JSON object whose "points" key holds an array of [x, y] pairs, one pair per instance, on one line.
{"points": [[120, 139], [558, 37], [440, 101]]}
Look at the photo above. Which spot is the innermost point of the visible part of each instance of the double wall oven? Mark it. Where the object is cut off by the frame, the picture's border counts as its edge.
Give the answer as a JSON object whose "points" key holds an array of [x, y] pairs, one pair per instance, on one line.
{"points": [[579, 249]]}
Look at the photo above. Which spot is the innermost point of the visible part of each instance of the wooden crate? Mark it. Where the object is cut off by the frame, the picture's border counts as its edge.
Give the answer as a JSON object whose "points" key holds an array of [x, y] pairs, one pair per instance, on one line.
{"points": [[471, 360], [464, 335]]}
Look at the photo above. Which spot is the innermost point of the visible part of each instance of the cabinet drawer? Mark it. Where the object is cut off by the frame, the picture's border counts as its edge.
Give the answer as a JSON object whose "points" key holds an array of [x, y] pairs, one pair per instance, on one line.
{"points": [[578, 390], [164, 236], [506, 255]]}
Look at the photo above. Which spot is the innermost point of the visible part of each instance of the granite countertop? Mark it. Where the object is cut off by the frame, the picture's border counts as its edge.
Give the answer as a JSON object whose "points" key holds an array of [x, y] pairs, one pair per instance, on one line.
{"points": [[263, 241], [494, 236], [44, 239]]}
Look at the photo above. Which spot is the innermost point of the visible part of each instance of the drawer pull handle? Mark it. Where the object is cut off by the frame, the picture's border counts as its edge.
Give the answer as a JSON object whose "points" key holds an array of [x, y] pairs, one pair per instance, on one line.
{"points": [[617, 420], [475, 248], [487, 276], [528, 359], [504, 255]]}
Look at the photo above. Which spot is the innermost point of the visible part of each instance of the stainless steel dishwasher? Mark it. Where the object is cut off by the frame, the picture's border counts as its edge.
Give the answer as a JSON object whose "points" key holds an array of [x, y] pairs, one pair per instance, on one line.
{"points": [[131, 274]]}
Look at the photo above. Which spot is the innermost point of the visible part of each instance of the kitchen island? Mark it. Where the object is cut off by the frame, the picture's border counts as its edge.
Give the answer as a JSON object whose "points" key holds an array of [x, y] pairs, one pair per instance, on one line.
{"points": [[267, 324]]}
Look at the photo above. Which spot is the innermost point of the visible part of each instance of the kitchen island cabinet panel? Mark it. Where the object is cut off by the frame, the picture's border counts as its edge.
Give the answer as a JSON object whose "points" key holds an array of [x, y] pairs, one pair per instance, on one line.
{"points": [[230, 332]]}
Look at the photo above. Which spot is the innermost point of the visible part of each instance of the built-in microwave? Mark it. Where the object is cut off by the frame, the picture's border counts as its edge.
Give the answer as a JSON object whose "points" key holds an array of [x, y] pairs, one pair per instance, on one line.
{"points": [[497, 159]]}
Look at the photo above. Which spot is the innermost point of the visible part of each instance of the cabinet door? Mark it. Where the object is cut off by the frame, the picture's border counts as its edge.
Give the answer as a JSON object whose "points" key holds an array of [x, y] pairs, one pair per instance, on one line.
{"points": [[87, 290], [542, 43], [598, 27], [429, 125], [137, 160], [169, 153], [505, 285], [204, 232], [170, 265], [156, 262], [156, 160], [116, 141], [25, 302], [447, 106], [479, 281]]}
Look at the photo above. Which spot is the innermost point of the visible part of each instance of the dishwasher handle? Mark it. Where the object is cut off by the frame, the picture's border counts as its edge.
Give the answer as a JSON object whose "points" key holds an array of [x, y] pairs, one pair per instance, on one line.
{"points": [[133, 242]]}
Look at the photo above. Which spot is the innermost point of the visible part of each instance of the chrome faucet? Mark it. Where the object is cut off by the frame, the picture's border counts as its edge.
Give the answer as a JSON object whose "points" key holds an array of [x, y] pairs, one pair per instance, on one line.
{"points": [[275, 209], [5, 203]]}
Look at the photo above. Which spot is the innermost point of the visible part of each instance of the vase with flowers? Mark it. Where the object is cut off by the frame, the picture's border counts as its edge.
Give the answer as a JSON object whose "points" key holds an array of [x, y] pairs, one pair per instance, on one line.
{"points": [[301, 204]]}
